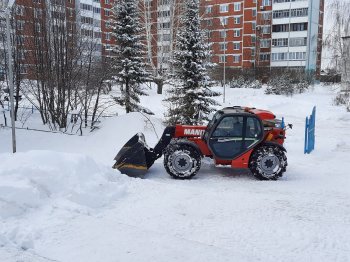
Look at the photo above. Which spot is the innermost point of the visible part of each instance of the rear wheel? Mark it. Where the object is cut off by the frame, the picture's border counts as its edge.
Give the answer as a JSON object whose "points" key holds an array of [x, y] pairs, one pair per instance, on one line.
{"points": [[182, 161], [268, 162]]}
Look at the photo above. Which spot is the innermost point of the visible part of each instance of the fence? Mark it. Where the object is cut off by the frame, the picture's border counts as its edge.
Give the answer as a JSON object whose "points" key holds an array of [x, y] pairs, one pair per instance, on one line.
{"points": [[309, 144], [75, 123]]}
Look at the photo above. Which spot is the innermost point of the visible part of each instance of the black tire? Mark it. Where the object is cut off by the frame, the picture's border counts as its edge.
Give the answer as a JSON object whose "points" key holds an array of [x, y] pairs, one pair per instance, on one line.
{"points": [[182, 161], [268, 162]]}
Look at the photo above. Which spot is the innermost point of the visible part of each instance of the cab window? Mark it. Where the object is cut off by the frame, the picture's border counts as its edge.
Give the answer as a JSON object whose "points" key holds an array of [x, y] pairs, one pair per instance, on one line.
{"points": [[231, 126]]}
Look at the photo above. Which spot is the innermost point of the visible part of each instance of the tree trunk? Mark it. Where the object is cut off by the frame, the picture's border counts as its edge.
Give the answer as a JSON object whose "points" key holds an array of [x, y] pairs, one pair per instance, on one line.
{"points": [[127, 96], [159, 87]]}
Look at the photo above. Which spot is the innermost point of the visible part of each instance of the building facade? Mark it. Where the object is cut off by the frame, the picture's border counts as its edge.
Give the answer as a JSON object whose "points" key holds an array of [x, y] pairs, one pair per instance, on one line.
{"points": [[265, 33], [244, 34]]}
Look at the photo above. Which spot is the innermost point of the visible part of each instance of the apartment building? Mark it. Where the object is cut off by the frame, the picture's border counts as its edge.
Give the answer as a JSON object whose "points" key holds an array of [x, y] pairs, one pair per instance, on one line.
{"points": [[89, 21], [244, 34], [32, 18], [297, 28], [265, 33]]}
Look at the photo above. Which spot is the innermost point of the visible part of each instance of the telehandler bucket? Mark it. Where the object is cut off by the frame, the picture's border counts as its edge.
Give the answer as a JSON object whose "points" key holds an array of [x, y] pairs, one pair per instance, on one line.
{"points": [[135, 157], [131, 159]]}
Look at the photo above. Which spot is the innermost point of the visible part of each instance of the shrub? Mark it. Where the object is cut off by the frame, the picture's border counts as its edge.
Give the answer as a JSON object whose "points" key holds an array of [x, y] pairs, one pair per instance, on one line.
{"points": [[288, 83], [245, 81], [280, 85]]}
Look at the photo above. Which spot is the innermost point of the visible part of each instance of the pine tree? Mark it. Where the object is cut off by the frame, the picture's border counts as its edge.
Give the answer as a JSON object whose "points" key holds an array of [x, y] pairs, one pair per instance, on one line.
{"points": [[128, 62], [190, 98]]}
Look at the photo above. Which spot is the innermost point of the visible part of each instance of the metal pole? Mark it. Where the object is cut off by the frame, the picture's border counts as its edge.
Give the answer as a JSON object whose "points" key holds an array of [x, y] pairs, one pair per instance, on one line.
{"points": [[225, 45], [10, 76]]}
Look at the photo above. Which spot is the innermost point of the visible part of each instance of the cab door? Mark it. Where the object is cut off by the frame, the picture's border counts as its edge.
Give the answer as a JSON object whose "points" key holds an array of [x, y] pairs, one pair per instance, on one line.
{"points": [[234, 135], [226, 140]]}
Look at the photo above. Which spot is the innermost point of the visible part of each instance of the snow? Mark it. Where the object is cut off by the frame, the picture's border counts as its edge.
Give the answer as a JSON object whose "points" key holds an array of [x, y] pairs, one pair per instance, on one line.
{"points": [[61, 201]]}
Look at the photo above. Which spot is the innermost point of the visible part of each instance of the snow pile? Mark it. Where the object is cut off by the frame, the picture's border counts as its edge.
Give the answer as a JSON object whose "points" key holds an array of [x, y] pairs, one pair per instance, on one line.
{"points": [[30, 180], [32, 183]]}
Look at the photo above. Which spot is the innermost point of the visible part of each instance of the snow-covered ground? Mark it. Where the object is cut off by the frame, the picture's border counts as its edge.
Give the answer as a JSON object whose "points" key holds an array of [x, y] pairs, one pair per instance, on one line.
{"points": [[61, 201]]}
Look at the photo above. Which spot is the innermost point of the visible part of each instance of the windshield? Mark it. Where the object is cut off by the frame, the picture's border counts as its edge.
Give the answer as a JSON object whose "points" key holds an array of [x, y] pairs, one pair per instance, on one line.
{"points": [[212, 122]]}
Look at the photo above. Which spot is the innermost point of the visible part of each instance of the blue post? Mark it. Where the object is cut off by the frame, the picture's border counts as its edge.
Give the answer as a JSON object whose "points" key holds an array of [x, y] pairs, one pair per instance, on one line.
{"points": [[283, 125], [306, 133]]}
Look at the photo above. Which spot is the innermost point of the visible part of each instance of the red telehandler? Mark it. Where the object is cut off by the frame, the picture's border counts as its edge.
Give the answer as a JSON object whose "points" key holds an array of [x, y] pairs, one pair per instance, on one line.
{"points": [[240, 137]]}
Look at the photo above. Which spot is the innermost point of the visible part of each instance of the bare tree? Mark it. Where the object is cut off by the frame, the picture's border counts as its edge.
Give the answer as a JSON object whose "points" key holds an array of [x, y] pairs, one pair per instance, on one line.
{"points": [[65, 61], [340, 27], [161, 26], [18, 57]]}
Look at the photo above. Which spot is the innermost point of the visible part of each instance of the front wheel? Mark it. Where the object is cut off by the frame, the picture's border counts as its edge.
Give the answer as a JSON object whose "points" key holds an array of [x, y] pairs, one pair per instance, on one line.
{"points": [[268, 162], [182, 161]]}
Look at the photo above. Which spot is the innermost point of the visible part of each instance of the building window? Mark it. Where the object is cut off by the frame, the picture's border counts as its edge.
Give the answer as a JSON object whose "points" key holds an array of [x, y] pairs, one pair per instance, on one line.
{"points": [[107, 12], [107, 2], [264, 56], [254, 12], [20, 25], [97, 34], [297, 55], [265, 43], [163, 13], [70, 11], [266, 2], [38, 13], [266, 29], [208, 34], [299, 12], [222, 59], [86, 7], [88, 33], [208, 9], [223, 34], [108, 36], [237, 19], [298, 27], [253, 38], [223, 20], [37, 28], [209, 22], [20, 40], [252, 51], [236, 32], [253, 26], [236, 58], [237, 6], [223, 8], [281, 14], [298, 41], [20, 10], [223, 46], [280, 42], [266, 15], [290, 56], [280, 28], [23, 69], [87, 20], [236, 45], [97, 10], [279, 56], [164, 25]]}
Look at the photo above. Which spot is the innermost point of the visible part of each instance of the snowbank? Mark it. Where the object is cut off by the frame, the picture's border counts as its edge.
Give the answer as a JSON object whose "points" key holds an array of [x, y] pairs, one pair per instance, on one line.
{"points": [[40, 180]]}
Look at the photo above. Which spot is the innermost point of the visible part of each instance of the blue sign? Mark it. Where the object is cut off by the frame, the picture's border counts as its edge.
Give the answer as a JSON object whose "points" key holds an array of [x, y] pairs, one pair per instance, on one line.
{"points": [[310, 122]]}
